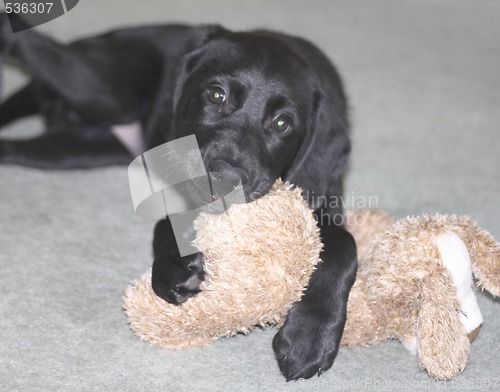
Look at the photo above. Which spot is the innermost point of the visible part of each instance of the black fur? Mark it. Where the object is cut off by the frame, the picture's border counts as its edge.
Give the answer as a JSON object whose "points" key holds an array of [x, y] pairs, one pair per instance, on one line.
{"points": [[282, 113]]}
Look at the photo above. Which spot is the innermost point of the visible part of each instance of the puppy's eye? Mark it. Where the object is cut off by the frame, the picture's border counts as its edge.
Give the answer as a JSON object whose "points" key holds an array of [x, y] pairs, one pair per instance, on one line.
{"points": [[281, 124], [215, 95]]}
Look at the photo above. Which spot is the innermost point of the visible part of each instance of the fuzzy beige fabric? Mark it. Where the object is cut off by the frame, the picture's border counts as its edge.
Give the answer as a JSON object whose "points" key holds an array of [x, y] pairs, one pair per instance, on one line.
{"points": [[259, 257], [403, 291], [365, 224]]}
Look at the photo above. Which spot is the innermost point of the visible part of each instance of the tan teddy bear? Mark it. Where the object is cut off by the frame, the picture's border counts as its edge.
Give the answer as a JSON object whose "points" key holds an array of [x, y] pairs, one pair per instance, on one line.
{"points": [[414, 282], [258, 259]]}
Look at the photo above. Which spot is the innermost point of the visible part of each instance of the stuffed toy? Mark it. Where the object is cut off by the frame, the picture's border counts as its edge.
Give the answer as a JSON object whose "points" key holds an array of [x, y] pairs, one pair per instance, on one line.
{"points": [[414, 280], [258, 259], [415, 284]]}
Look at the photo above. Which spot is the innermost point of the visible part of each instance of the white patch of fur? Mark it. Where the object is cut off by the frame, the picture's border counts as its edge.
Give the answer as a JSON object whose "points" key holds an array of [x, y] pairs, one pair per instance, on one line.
{"points": [[130, 135], [411, 345], [455, 258]]}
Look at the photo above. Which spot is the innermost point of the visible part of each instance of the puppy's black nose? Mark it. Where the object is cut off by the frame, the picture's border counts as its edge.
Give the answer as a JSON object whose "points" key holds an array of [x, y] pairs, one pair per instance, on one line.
{"points": [[226, 175]]}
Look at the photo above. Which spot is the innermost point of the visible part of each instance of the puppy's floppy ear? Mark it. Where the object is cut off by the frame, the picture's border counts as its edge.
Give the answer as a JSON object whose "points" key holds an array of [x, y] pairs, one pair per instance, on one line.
{"points": [[193, 53], [159, 128], [202, 34], [320, 161]]}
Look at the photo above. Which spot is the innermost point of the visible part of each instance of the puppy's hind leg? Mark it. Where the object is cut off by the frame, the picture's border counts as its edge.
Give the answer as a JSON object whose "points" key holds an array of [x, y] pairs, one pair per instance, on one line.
{"points": [[84, 83], [95, 146], [21, 104]]}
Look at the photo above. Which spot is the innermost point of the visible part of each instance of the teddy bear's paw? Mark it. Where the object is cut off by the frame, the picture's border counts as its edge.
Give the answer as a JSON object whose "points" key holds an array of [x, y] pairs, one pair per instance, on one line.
{"points": [[305, 345], [177, 282]]}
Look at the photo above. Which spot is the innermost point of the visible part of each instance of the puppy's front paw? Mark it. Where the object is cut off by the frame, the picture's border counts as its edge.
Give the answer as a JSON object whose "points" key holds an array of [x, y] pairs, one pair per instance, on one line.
{"points": [[175, 282], [306, 344]]}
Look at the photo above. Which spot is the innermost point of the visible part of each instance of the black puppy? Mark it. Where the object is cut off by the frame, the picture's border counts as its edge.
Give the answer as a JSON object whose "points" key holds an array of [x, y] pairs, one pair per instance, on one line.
{"points": [[262, 105]]}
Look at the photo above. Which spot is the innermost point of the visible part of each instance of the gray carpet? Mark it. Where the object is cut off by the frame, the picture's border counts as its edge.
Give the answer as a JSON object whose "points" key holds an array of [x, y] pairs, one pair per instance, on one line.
{"points": [[424, 82]]}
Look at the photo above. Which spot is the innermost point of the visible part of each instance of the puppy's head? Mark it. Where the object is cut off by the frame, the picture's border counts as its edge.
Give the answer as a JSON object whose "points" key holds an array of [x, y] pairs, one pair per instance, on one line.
{"points": [[249, 98]]}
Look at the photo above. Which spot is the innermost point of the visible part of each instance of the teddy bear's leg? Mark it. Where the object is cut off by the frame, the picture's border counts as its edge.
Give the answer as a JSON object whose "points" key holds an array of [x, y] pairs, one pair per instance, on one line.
{"points": [[364, 225], [442, 343], [362, 327]]}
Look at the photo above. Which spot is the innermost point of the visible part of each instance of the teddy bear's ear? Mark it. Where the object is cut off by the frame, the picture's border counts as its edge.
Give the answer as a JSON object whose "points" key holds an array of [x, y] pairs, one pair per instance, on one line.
{"points": [[442, 343], [485, 257]]}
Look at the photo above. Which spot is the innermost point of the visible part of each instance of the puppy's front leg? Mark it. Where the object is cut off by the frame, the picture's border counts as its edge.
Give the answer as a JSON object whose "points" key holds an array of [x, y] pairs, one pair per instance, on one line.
{"points": [[174, 278], [309, 340]]}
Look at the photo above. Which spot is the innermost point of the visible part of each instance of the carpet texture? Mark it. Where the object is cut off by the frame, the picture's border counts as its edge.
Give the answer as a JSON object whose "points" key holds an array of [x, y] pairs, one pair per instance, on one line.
{"points": [[423, 79]]}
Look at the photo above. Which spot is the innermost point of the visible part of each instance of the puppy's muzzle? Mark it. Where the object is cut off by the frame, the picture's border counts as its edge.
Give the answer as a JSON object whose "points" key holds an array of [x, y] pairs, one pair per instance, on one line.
{"points": [[225, 177]]}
